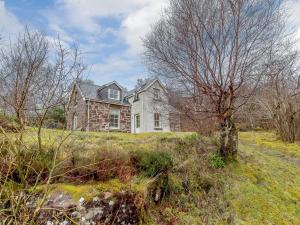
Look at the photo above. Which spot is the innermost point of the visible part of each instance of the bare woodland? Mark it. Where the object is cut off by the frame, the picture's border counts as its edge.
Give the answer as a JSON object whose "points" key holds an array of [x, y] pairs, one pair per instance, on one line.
{"points": [[35, 76], [217, 55]]}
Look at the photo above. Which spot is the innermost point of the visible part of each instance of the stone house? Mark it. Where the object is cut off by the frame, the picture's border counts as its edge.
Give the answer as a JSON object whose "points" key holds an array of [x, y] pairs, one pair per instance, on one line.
{"points": [[111, 108], [98, 108]]}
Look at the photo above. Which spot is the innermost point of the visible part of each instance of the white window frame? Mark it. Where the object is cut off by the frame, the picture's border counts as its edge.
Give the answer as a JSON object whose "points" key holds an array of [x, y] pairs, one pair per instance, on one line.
{"points": [[137, 118], [75, 122], [112, 93], [159, 121], [114, 112], [156, 93]]}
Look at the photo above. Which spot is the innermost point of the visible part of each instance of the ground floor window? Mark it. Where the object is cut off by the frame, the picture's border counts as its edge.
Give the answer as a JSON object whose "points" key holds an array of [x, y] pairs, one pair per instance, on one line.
{"points": [[75, 122], [157, 120], [114, 118], [137, 121]]}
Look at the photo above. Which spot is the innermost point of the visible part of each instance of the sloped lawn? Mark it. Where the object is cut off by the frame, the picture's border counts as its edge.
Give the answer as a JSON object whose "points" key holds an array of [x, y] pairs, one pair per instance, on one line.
{"points": [[265, 183]]}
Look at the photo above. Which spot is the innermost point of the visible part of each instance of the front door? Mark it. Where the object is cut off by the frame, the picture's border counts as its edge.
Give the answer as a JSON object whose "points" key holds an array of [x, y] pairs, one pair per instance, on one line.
{"points": [[137, 123]]}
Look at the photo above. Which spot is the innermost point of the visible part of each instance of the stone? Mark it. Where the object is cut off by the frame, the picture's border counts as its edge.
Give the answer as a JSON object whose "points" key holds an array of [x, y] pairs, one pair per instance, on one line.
{"points": [[91, 213], [96, 199], [111, 203], [65, 222], [81, 201], [60, 200], [107, 195]]}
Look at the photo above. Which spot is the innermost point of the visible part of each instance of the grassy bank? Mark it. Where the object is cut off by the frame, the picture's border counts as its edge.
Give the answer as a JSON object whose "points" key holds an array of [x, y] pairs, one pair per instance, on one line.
{"points": [[91, 163], [265, 183], [262, 187]]}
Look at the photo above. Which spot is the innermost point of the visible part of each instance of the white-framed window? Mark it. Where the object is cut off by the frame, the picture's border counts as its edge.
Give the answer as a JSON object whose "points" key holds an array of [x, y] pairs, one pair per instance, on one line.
{"points": [[75, 122], [137, 121], [114, 119], [136, 96], [156, 93], [157, 120], [114, 94]]}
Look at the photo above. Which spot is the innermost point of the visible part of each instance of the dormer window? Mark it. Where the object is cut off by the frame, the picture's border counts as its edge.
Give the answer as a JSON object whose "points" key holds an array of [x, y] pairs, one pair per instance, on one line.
{"points": [[136, 97], [156, 93], [113, 94]]}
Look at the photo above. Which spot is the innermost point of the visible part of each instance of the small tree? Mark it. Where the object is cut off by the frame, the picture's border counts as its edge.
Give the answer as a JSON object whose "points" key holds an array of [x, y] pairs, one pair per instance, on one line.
{"points": [[214, 54], [279, 95], [36, 76], [20, 65]]}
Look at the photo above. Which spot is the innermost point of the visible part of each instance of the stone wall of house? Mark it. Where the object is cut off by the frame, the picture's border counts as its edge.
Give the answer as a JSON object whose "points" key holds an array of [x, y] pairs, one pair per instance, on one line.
{"points": [[125, 120], [79, 109], [99, 116]]}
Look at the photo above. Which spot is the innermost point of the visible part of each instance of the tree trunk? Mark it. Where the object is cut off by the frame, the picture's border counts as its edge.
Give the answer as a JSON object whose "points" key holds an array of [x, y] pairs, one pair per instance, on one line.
{"points": [[228, 139]]}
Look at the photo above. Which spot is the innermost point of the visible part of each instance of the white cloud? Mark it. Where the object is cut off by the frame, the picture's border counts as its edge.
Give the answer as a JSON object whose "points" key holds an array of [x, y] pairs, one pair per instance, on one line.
{"points": [[9, 24], [293, 9], [87, 18], [138, 23], [136, 17], [118, 68]]}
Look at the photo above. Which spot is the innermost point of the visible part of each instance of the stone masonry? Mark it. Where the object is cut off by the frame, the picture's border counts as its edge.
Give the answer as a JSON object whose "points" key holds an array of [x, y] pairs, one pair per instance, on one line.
{"points": [[94, 115], [78, 109], [99, 116]]}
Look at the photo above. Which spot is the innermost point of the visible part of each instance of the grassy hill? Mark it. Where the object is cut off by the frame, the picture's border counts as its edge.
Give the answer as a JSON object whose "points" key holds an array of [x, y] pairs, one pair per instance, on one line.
{"points": [[172, 178]]}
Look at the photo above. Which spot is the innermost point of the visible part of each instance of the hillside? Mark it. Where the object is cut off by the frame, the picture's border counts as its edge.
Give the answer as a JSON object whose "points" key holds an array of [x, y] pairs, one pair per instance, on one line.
{"points": [[161, 178]]}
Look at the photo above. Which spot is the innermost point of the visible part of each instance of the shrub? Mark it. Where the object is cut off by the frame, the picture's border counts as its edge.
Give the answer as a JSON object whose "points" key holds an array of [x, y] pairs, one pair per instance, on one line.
{"points": [[215, 141], [8, 123], [56, 118], [105, 165], [216, 161], [151, 163]]}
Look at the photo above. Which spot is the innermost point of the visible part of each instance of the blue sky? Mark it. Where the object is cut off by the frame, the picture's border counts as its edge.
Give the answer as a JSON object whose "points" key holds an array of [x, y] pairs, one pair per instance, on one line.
{"points": [[109, 32]]}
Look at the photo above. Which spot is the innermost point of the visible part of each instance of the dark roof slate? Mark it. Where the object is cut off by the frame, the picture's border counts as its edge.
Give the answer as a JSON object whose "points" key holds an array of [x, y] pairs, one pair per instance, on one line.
{"points": [[90, 92], [139, 89]]}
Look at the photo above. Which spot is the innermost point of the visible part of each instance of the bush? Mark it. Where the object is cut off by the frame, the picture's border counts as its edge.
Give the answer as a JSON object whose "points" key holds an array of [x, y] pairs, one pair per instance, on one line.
{"points": [[8, 123], [102, 166], [151, 163], [56, 118], [216, 161]]}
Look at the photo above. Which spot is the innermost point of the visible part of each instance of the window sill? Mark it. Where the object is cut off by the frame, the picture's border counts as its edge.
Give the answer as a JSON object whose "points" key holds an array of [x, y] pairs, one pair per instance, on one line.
{"points": [[114, 128]]}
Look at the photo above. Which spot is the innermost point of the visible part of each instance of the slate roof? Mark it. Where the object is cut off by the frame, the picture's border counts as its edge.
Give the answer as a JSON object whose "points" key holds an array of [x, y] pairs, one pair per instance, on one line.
{"points": [[139, 89], [90, 92]]}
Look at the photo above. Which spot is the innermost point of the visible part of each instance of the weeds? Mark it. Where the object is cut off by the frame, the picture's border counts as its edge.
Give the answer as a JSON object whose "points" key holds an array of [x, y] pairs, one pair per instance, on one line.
{"points": [[157, 168], [216, 161], [151, 163]]}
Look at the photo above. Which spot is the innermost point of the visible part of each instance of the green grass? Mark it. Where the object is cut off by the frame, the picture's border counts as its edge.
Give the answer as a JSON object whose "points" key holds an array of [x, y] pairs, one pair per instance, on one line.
{"points": [[265, 183], [270, 141], [262, 187]]}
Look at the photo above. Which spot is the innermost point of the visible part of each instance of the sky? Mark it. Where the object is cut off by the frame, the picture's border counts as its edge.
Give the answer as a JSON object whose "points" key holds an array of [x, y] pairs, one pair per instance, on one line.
{"points": [[108, 32]]}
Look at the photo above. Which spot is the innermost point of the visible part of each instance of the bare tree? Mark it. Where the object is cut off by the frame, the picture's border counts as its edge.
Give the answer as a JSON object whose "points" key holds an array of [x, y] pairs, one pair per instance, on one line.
{"points": [[20, 64], [278, 96], [36, 76], [214, 53], [53, 86]]}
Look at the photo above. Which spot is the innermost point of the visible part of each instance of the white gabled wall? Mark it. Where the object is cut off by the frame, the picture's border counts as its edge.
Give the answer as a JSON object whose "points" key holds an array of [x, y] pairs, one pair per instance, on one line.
{"points": [[146, 106]]}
